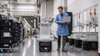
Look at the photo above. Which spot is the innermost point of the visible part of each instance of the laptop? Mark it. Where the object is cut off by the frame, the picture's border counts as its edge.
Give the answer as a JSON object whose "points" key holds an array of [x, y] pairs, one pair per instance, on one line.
{"points": [[67, 19]]}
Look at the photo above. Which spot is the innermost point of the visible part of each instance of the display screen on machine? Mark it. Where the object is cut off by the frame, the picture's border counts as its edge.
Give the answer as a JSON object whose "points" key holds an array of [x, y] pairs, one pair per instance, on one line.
{"points": [[6, 34], [67, 19]]}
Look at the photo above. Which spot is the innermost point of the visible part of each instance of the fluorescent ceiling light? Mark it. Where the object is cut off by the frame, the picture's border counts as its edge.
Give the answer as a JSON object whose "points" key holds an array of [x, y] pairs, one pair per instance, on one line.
{"points": [[26, 8]]}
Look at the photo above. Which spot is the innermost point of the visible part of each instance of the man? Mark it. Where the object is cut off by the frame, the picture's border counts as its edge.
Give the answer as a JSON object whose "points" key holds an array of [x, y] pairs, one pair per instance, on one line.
{"points": [[62, 30]]}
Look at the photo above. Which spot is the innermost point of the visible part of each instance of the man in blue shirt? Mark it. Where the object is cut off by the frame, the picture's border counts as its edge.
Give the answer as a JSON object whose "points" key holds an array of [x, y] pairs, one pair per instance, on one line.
{"points": [[62, 30]]}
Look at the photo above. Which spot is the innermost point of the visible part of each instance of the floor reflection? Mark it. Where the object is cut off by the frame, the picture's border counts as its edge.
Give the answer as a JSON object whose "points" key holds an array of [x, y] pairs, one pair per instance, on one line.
{"points": [[30, 48]]}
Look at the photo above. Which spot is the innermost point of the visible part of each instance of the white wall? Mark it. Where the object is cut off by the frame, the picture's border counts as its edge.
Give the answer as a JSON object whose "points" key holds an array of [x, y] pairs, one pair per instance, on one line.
{"points": [[79, 5], [50, 8], [46, 9], [42, 9], [98, 13]]}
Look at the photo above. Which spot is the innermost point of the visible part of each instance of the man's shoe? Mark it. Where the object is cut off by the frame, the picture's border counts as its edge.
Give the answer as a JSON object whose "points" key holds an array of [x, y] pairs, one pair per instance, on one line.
{"points": [[64, 50], [58, 49]]}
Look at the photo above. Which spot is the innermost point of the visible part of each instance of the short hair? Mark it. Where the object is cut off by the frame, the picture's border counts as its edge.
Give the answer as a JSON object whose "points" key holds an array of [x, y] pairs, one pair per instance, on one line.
{"points": [[60, 7]]}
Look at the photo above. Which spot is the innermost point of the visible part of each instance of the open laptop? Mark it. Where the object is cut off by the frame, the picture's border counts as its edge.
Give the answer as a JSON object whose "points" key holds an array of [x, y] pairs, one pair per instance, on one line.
{"points": [[67, 19]]}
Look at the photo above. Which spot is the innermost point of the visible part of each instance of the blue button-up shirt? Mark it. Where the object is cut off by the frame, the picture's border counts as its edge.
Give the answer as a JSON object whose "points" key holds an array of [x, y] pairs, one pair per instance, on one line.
{"points": [[62, 29]]}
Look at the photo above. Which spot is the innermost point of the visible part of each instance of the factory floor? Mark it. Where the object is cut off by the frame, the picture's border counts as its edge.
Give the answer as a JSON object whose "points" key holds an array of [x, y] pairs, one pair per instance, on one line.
{"points": [[30, 48]]}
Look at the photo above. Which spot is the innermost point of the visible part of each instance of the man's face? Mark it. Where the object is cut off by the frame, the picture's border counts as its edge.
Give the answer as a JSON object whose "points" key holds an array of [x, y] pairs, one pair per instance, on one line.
{"points": [[60, 10]]}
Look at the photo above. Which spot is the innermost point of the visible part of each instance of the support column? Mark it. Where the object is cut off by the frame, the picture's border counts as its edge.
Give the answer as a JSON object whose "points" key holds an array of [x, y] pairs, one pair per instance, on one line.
{"points": [[46, 8], [98, 14]]}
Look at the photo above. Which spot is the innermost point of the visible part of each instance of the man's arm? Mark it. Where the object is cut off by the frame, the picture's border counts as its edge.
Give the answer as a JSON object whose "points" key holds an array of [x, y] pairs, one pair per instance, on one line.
{"points": [[58, 21]]}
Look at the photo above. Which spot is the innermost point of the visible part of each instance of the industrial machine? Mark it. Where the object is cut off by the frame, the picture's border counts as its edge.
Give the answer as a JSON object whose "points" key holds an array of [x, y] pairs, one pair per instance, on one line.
{"points": [[44, 40], [11, 34]]}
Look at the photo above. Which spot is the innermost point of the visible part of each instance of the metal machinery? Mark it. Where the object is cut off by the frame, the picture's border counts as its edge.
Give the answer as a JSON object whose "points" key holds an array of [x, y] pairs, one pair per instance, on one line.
{"points": [[11, 31], [87, 35], [11, 35], [45, 40]]}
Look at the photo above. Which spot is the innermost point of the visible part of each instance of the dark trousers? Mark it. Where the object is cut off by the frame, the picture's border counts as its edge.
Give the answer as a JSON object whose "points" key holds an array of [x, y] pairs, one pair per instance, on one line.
{"points": [[65, 39]]}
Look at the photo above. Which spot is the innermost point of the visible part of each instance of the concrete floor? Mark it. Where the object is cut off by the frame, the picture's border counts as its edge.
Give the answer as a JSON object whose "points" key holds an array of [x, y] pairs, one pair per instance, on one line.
{"points": [[71, 52], [31, 49]]}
